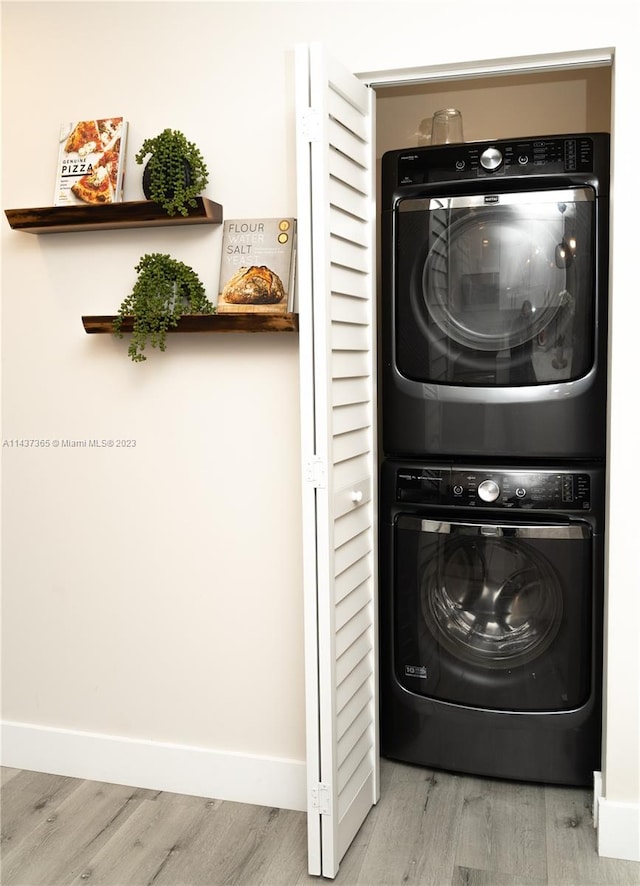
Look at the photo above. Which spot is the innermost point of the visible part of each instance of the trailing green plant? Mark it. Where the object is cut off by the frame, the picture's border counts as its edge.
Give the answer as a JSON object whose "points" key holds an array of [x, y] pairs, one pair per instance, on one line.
{"points": [[166, 289], [176, 170]]}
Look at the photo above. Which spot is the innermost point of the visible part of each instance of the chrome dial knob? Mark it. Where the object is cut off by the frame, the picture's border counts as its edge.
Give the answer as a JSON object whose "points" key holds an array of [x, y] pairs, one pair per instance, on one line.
{"points": [[491, 159], [488, 490]]}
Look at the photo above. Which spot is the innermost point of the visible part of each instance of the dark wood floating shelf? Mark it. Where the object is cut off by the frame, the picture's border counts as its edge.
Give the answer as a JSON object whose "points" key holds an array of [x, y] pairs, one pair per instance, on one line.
{"points": [[207, 323], [138, 214]]}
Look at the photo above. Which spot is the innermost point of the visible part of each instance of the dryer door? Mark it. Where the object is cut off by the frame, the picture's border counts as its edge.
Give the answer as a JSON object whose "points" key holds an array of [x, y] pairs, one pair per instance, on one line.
{"points": [[493, 616], [496, 289]]}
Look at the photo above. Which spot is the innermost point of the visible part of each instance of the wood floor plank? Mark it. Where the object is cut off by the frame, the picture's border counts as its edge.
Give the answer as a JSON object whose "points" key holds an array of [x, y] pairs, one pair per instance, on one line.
{"points": [[281, 855], [228, 848], [471, 877], [415, 829], [72, 832], [391, 834], [503, 829], [27, 801], [572, 856], [136, 853], [6, 774], [283, 860]]}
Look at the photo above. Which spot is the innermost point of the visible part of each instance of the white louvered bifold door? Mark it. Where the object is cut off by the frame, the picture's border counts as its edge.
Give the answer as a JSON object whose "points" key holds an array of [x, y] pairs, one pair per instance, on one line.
{"points": [[337, 363]]}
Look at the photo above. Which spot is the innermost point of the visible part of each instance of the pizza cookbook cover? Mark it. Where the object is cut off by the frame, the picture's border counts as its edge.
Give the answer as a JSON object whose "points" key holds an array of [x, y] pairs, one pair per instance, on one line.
{"points": [[257, 268], [91, 158]]}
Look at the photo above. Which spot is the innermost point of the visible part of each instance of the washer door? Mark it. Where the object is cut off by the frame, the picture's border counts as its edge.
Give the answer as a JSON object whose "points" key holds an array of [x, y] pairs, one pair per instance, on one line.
{"points": [[493, 616], [491, 602], [496, 289]]}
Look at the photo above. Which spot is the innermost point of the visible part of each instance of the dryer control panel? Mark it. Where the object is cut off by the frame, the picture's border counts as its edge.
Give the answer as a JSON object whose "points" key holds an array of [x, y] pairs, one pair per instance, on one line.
{"points": [[472, 160], [482, 488]]}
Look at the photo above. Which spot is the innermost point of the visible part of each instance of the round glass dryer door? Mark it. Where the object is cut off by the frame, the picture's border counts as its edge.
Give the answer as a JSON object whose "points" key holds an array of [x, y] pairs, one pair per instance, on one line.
{"points": [[495, 289], [499, 281], [493, 603]]}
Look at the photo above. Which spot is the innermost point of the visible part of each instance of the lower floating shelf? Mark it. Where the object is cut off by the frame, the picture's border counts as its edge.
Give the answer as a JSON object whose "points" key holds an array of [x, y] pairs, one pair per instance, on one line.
{"points": [[206, 323]]}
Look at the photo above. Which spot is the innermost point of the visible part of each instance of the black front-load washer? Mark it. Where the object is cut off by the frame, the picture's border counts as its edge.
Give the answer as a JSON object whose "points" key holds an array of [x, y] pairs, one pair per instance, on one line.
{"points": [[494, 299], [491, 597]]}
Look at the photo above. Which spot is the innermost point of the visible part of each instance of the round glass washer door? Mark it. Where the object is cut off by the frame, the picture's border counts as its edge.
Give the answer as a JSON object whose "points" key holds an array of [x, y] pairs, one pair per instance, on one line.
{"points": [[491, 602], [493, 280]]}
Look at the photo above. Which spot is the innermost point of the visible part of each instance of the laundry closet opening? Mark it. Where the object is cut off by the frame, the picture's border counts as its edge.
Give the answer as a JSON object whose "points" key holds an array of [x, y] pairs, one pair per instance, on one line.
{"points": [[493, 299]]}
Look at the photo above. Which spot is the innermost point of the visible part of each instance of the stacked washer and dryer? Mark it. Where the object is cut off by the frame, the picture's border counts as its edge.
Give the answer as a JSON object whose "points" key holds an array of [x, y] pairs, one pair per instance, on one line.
{"points": [[492, 487]]}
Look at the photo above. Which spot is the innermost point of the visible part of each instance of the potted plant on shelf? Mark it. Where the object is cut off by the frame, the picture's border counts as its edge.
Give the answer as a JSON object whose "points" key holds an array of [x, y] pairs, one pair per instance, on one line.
{"points": [[166, 289], [175, 173]]}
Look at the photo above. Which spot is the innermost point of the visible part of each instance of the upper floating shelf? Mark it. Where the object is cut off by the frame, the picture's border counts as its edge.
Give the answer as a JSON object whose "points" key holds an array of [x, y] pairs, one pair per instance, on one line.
{"points": [[138, 214]]}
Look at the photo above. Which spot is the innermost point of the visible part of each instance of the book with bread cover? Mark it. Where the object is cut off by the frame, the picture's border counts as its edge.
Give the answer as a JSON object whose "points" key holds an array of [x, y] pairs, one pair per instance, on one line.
{"points": [[257, 268], [91, 157]]}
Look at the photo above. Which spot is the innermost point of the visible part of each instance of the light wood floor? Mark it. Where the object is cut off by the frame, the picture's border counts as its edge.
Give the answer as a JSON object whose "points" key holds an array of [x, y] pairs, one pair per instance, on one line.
{"points": [[429, 828]]}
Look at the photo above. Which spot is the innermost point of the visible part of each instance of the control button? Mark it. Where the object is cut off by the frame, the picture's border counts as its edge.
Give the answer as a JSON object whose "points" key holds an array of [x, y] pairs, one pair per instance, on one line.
{"points": [[523, 159], [491, 159], [521, 492], [460, 164], [488, 490], [458, 490]]}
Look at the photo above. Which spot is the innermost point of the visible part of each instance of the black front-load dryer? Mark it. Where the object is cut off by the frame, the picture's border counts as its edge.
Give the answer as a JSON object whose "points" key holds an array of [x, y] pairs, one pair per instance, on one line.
{"points": [[494, 299], [491, 619]]}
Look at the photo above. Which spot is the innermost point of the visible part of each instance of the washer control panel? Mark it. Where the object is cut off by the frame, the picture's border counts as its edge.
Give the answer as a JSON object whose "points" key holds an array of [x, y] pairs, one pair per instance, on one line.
{"points": [[482, 488], [488, 490]]}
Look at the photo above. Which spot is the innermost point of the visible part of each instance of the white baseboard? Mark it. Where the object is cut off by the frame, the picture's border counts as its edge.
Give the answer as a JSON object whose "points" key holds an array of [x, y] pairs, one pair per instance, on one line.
{"points": [[618, 829], [597, 795], [200, 772]]}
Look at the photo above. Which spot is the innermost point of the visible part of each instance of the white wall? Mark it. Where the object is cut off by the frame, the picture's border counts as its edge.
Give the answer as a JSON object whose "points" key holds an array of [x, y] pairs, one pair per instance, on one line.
{"points": [[149, 593], [155, 593]]}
